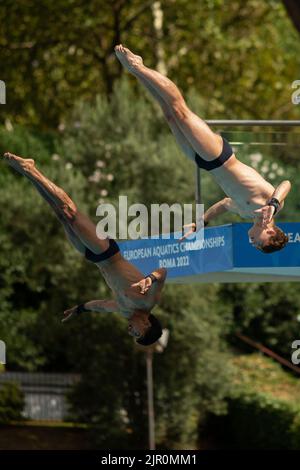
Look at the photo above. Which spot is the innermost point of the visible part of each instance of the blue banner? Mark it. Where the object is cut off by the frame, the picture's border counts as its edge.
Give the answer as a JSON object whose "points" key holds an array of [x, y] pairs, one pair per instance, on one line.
{"points": [[186, 258], [245, 255], [223, 248]]}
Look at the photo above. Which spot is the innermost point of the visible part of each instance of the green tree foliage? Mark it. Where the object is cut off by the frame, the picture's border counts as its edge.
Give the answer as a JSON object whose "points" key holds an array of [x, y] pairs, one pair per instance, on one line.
{"points": [[123, 146], [140, 150], [63, 50], [264, 410], [191, 377], [11, 403], [34, 282], [268, 313], [42, 276], [59, 68]]}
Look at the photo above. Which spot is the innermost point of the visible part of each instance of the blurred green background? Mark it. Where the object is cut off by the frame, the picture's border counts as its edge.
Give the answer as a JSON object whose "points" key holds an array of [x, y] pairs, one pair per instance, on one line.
{"points": [[95, 132]]}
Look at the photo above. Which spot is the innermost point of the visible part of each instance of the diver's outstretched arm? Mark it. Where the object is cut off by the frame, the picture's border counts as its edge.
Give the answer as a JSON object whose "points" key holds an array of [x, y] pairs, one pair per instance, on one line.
{"points": [[101, 306], [214, 211], [282, 191]]}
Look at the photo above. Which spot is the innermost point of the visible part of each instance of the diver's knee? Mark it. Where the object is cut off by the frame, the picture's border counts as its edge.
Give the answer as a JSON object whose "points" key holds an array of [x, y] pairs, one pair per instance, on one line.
{"points": [[181, 110]]}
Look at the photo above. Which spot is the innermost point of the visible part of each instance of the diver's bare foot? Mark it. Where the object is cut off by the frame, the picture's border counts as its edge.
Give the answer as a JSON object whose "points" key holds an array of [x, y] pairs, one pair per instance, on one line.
{"points": [[129, 60], [23, 165]]}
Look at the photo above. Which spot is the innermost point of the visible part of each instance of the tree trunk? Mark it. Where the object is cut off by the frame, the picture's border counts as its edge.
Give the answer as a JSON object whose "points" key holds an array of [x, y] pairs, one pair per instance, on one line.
{"points": [[293, 9], [158, 17]]}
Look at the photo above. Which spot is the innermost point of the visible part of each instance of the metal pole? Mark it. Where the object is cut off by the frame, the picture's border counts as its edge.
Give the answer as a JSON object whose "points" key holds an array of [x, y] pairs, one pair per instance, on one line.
{"points": [[198, 186], [246, 122], [239, 122], [151, 418]]}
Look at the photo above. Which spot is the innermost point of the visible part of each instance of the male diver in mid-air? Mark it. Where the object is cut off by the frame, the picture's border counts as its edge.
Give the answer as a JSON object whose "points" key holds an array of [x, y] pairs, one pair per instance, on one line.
{"points": [[135, 295], [249, 194]]}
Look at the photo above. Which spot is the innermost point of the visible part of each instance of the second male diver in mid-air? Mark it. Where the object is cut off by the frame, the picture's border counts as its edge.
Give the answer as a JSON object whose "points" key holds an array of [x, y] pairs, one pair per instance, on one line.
{"points": [[249, 194], [134, 295]]}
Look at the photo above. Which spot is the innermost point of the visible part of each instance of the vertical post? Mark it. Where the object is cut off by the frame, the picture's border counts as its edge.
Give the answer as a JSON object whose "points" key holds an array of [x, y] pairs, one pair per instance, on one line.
{"points": [[151, 418], [198, 195]]}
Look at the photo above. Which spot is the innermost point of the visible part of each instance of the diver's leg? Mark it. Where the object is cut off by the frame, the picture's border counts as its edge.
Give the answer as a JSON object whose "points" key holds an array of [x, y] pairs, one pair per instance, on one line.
{"points": [[203, 140], [81, 225], [180, 138], [72, 237], [70, 234]]}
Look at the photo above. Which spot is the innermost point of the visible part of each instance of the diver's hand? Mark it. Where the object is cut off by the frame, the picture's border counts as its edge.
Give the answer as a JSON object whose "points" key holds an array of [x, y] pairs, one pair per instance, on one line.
{"points": [[143, 285], [193, 227], [265, 214], [68, 314], [139, 288]]}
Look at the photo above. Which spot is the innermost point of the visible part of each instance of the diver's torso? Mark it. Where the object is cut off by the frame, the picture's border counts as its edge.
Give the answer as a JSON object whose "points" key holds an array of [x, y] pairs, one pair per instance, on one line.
{"points": [[119, 275], [244, 185]]}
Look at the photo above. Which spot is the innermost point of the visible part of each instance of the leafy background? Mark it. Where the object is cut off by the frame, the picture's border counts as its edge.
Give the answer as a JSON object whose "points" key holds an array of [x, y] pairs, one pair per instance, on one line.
{"points": [[97, 134]]}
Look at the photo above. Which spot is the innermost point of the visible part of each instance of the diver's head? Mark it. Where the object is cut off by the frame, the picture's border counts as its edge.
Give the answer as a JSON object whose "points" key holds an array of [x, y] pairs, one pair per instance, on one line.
{"points": [[267, 238], [145, 327]]}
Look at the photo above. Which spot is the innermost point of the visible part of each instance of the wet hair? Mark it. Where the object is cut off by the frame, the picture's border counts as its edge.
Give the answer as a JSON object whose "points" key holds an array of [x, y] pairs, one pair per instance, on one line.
{"points": [[276, 242], [153, 333]]}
